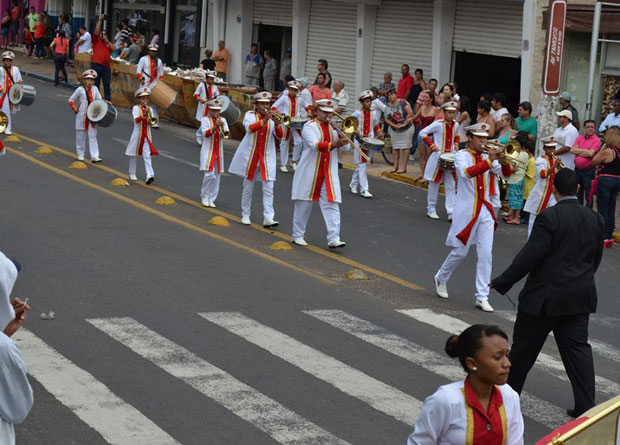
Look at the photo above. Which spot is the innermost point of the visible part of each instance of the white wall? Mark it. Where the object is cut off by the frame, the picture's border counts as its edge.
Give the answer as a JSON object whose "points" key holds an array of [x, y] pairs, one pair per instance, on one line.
{"points": [[444, 13], [301, 18], [238, 36], [366, 17]]}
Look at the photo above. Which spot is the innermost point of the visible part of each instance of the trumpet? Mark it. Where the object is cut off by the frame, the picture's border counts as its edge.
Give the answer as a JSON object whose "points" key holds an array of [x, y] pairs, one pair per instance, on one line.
{"points": [[280, 117], [225, 132], [349, 126], [152, 120], [507, 154]]}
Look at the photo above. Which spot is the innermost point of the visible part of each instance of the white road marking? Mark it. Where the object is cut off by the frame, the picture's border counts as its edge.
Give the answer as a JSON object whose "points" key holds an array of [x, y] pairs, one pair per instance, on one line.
{"points": [[122, 141], [544, 361], [117, 421], [533, 407], [603, 349], [282, 424], [165, 154], [349, 380]]}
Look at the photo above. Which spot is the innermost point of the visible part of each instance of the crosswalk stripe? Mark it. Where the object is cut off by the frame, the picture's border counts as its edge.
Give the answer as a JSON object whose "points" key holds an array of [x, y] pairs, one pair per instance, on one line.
{"points": [[533, 407], [282, 424], [544, 361], [118, 422], [603, 349], [351, 381]]}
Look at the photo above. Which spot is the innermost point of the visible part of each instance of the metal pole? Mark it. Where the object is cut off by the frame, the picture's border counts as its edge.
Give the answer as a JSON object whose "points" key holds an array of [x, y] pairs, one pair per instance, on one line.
{"points": [[596, 23]]}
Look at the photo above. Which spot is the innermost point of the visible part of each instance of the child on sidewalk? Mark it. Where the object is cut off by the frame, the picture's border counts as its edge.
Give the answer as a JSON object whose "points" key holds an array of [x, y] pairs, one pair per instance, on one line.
{"points": [[140, 143], [79, 102]]}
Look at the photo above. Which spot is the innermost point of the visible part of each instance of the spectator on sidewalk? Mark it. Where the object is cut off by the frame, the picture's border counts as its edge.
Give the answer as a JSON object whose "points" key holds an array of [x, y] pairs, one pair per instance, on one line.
{"points": [[613, 118], [126, 32], [5, 28], [322, 67], [31, 20], [102, 48], [270, 71], [499, 109], [285, 66], [464, 120], [39, 38], [118, 41], [49, 34], [398, 116], [131, 51], [221, 60], [485, 117], [565, 101], [60, 48], [341, 97], [385, 87], [208, 63], [608, 183], [84, 43], [405, 83], [253, 65], [154, 37], [426, 112], [526, 122], [432, 87], [585, 148], [565, 135], [65, 26], [320, 91], [15, 23]]}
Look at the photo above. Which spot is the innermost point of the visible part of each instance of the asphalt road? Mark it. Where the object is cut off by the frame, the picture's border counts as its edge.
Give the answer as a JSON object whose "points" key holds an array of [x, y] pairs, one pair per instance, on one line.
{"points": [[170, 330]]}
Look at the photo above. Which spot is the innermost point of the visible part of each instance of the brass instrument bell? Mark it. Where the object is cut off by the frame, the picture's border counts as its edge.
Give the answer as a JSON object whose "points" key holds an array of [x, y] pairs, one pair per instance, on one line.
{"points": [[4, 122]]}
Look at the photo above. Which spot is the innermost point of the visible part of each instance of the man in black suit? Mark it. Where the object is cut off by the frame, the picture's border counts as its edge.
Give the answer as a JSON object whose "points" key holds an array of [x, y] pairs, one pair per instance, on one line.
{"points": [[561, 257]]}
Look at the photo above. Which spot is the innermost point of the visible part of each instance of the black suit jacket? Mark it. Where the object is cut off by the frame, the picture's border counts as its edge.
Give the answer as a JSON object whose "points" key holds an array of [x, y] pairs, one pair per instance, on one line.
{"points": [[561, 256]]}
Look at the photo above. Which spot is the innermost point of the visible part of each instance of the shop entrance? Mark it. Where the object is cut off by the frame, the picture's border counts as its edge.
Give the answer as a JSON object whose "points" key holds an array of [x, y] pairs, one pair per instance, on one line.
{"points": [[479, 73], [274, 38]]}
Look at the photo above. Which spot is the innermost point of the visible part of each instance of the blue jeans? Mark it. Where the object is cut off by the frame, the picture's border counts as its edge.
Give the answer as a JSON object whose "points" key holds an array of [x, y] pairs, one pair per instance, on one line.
{"points": [[103, 74], [60, 60], [414, 142], [606, 194], [585, 178]]}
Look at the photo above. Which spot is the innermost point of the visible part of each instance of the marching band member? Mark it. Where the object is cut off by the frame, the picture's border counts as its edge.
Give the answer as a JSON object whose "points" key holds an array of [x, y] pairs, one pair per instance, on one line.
{"points": [[79, 102], [141, 143], [205, 91], [541, 195], [10, 76], [316, 176], [474, 217], [445, 140], [289, 105], [368, 127], [150, 69], [255, 158], [212, 131]]}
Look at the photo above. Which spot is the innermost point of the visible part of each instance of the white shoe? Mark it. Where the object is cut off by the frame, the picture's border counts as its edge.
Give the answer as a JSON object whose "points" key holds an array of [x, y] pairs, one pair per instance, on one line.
{"points": [[80, 157], [155, 126], [294, 166], [10, 132], [206, 202], [283, 169], [484, 305], [449, 216], [336, 244], [212, 204], [432, 215], [353, 189], [366, 194], [245, 220], [133, 177], [441, 289], [300, 241], [95, 160], [270, 223]]}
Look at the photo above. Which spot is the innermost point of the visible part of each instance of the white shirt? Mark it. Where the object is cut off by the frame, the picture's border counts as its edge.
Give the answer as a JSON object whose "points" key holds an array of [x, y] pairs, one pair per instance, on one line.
{"points": [[342, 100], [378, 106], [87, 43], [609, 121], [567, 134], [497, 114]]}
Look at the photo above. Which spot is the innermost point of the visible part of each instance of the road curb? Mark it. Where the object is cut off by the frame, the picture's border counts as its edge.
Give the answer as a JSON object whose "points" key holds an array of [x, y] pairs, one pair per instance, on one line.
{"points": [[45, 78]]}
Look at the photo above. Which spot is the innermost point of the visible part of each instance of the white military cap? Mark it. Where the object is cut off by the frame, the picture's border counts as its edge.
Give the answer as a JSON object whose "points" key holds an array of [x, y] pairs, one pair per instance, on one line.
{"points": [[144, 91], [263, 96], [566, 113], [450, 106], [549, 141], [214, 104], [293, 84], [211, 74], [154, 47], [478, 129], [366, 94], [325, 105], [89, 74], [8, 55]]}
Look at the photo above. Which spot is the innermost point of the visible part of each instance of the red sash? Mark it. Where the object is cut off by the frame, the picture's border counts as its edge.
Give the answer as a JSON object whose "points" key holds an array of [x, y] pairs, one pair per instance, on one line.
{"points": [[209, 93], [549, 185], [153, 69], [89, 99], [258, 156], [144, 135], [8, 83], [215, 148], [366, 125], [323, 169]]}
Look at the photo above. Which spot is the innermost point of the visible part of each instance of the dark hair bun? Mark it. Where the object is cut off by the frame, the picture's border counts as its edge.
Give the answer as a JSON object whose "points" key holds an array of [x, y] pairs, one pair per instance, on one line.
{"points": [[451, 348]]}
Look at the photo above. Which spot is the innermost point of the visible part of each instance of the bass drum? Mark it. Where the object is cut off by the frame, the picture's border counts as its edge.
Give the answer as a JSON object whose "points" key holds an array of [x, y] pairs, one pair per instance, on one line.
{"points": [[229, 110], [21, 94], [101, 113], [162, 95]]}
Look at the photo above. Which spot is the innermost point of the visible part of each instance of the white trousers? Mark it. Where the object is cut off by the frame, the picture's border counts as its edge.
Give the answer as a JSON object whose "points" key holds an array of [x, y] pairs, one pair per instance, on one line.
{"points": [[80, 142], [360, 177], [530, 224], [482, 236], [246, 197], [331, 216], [285, 146], [210, 186], [148, 165], [433, 192]]}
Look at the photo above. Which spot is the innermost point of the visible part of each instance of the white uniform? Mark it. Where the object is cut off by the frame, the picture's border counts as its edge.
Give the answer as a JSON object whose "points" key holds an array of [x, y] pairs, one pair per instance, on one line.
{"points": [[255, 159], [316, 179], [206, 92], [368, 122], [445, 414], [473, 221], [149, 71], [445, 137], [290, 107], [83, 127], [541, 195], [211, 157], [141, 143], [6, 83]]}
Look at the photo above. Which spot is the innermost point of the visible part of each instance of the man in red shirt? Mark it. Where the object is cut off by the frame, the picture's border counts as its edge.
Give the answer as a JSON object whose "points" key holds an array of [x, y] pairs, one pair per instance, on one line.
{"points": [[405, 83], [102, 47]]}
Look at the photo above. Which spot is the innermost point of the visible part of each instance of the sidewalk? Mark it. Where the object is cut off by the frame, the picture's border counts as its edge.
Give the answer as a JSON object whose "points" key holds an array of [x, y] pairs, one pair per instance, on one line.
{"points": [[41, 69]]}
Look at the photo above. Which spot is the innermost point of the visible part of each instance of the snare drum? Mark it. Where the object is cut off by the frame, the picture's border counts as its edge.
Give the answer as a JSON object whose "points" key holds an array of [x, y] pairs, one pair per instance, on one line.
{"points": [[372, 144], [297, 123], [101, 113], [446, 161], [21, 94], [229, 111]]}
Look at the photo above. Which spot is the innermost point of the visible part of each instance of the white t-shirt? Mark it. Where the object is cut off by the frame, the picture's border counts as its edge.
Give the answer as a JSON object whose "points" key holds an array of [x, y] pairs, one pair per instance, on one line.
{"points": [[568, 135], [86, 43], [497, 114]]}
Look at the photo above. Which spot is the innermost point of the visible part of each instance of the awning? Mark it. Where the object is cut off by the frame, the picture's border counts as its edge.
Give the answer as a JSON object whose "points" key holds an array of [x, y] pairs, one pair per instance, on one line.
{"points": [[579, 18]]}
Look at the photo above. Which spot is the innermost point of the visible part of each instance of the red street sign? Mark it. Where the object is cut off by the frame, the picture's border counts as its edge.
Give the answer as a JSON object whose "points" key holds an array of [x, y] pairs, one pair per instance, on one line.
{"points": [[555, 48]]}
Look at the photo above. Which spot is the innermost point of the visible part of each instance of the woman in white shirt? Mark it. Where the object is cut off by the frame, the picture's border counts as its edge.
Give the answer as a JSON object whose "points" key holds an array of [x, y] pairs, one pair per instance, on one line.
{"points": [[482, 409]]}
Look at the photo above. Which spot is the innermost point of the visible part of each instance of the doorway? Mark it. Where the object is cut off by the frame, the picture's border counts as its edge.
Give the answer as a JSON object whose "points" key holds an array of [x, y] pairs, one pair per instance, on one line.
{"points": [[276, 39]]}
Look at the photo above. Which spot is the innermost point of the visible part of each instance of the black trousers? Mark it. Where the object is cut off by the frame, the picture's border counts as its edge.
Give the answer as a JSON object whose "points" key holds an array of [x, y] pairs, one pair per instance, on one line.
{"points": [[571, 336]]}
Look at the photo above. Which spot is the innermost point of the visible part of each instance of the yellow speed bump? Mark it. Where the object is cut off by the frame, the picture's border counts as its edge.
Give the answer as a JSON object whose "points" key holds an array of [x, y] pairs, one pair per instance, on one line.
{"points": [[219, 221], [44, 150], [119, 182], [356, 274], [165, 201], [78, 165], [281, 245], [12, 138]]}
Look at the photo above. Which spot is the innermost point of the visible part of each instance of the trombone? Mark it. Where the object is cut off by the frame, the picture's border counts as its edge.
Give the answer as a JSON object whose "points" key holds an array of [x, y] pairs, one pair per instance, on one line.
{"points": [[349, 126]]}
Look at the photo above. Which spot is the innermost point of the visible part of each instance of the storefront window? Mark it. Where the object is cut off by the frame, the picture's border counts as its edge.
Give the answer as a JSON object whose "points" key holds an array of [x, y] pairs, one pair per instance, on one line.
{"points": [[186, 19], [143, 15]]}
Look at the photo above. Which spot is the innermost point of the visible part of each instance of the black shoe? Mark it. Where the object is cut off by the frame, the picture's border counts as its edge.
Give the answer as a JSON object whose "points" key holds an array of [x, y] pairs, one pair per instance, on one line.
{"points": [[575, 413], [339, 165], [150, 180]]}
